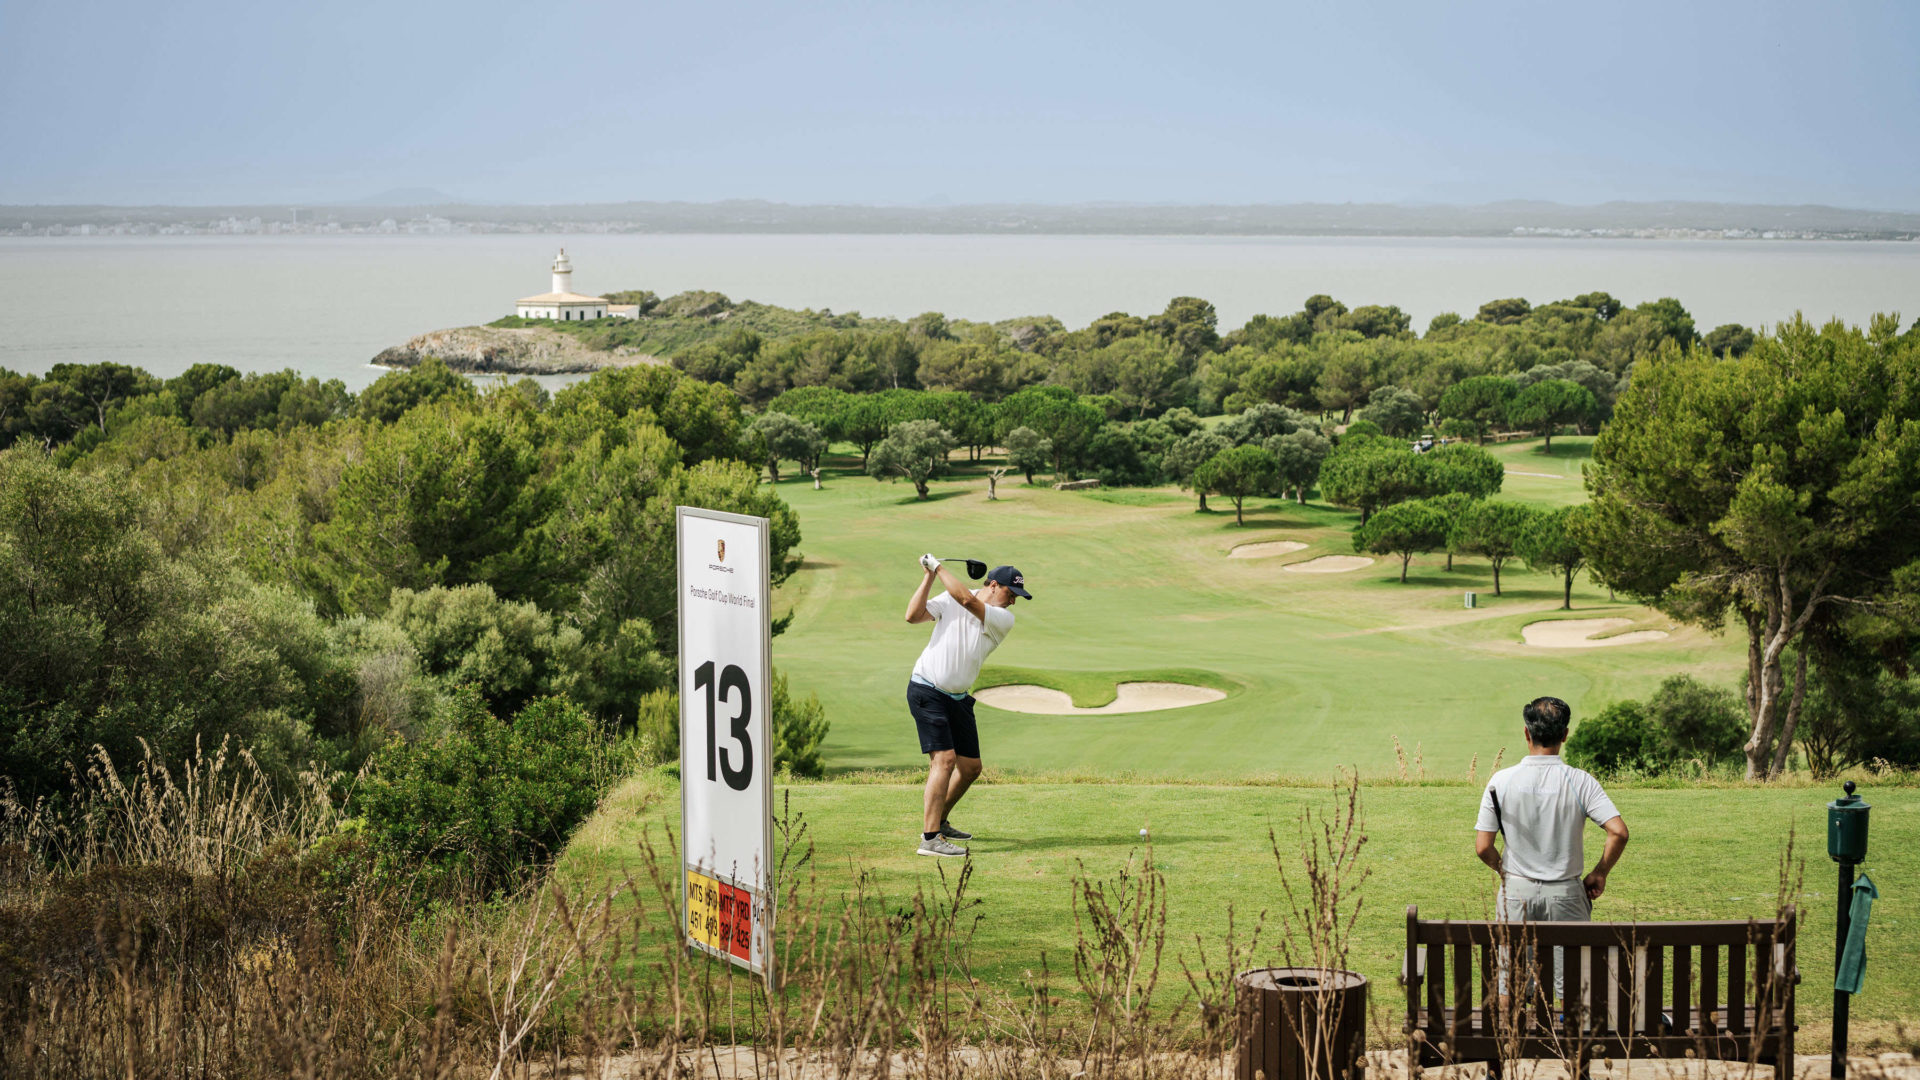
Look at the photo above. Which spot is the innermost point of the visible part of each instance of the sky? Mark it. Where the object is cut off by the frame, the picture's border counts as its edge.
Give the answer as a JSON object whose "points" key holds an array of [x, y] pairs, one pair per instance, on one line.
{"points": [[915, 102]]}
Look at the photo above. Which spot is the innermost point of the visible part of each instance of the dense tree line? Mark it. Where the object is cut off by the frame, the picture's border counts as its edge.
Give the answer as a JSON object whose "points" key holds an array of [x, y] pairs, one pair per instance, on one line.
{"points": [[358, 580], [1324, 359]]}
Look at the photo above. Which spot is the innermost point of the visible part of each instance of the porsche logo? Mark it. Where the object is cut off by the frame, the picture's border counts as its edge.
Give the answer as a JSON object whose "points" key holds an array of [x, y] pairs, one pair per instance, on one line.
{"points": [[723, 551]]}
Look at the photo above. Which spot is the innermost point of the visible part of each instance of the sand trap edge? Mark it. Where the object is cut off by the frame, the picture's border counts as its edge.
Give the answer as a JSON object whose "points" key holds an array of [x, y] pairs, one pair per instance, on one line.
{"points": [[1266, 549], [1330, 564], [1129, 697], [1578, 634]]}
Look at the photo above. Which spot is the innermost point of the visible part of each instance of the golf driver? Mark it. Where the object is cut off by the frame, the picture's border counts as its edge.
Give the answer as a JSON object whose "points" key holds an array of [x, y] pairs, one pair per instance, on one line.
{"points": [[975, 568]]}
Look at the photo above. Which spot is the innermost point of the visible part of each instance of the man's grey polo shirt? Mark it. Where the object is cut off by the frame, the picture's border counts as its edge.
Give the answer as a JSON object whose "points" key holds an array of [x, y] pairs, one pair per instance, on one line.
{"points": [[1544, 807]]}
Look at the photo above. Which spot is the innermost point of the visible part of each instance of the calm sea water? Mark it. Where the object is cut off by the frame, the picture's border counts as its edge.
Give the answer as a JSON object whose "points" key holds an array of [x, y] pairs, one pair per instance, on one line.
{"points": [[324, 306]]}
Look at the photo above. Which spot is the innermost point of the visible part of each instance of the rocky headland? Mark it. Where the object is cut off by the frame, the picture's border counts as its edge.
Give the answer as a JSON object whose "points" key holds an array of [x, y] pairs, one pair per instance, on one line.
{"points": [[487, 350]]}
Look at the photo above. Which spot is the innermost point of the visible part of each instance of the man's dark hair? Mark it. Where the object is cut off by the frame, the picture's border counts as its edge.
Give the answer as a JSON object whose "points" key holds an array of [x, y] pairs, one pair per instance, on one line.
{"points": [[1547, 720]]}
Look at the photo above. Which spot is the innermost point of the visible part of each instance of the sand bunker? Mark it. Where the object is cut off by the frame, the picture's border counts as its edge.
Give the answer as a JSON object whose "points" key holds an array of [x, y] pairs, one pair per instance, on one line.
{"points": [[1265, 549], [1329, 564], [1578, 634], [1129, 697]]}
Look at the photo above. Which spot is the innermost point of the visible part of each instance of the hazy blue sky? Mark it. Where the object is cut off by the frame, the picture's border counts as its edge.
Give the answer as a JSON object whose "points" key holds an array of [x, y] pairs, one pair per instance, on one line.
{"points": [[185, 101]]}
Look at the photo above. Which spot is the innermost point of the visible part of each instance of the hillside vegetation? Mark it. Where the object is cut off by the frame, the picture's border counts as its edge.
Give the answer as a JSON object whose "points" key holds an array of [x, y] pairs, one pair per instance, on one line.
{"points": [[304, 691]]}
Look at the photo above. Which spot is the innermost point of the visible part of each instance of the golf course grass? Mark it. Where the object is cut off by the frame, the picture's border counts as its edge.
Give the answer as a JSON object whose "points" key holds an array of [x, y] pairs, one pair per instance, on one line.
{"points": [[1321, 670], [1697, 852], [1403, 684]]}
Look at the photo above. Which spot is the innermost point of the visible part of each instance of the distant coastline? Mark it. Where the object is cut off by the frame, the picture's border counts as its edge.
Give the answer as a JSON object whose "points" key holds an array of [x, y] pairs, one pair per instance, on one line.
{"points": [[1517, 219]]}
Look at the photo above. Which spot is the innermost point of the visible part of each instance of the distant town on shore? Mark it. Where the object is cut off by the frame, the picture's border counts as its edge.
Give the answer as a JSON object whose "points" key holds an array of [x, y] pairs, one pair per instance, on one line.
{"points": [[436, 214]]}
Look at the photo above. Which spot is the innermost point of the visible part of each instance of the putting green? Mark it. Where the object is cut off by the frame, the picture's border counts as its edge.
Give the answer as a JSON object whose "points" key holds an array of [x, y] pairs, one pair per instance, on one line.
{"points": [[1321, 669]]}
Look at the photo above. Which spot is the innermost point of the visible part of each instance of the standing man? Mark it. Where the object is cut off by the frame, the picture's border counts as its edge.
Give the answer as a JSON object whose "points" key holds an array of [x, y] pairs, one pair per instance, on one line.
{"points": [[967, 625], [1541, 806]]}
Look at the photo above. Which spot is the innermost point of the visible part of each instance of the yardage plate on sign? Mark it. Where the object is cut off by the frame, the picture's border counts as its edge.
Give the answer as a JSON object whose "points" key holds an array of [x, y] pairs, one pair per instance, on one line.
{"points": [[726, 747]]}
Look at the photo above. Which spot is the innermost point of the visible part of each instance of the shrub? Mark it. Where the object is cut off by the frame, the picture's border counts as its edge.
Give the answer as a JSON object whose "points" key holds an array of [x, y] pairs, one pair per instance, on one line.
{"points": [[1620, 736], [693, 304], [799, 727], [1685, 720], [1695, 720], [657, 725], [486, 798]]}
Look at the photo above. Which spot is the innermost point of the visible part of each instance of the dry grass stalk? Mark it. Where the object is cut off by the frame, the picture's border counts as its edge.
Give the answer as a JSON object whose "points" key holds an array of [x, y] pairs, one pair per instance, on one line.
{"points": [[1323, 905], [229, 935]]}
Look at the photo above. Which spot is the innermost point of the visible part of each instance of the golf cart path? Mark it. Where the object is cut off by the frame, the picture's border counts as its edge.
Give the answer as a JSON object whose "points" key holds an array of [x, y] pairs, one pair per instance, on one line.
{"points": [[1129, 697], [1578, 634]]}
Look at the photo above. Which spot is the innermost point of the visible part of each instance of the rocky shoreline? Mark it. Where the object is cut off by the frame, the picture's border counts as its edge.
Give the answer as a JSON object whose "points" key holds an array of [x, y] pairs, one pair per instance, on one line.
{"points": [[486, 350]]}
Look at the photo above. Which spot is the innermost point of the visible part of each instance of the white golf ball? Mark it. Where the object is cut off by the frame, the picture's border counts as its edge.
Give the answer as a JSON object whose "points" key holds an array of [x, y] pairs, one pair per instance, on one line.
{"points": [[1143, 832]]}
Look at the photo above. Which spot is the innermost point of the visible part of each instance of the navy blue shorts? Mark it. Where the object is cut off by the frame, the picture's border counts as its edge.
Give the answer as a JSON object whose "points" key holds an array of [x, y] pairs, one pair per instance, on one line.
{"points": [[945, 723]]}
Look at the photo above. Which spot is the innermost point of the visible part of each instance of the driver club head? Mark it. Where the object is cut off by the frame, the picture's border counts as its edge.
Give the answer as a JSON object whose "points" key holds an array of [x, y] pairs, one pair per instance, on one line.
{"points": [[975, 568]]}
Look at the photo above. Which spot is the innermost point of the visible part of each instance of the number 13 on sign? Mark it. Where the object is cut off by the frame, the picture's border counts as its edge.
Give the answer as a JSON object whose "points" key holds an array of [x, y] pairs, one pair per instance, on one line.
{"points": [[726, 798]]}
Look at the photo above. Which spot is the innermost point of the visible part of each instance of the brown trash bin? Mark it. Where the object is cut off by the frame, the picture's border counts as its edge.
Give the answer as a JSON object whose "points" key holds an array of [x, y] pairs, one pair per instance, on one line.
{"points": [[1301, 1024]]}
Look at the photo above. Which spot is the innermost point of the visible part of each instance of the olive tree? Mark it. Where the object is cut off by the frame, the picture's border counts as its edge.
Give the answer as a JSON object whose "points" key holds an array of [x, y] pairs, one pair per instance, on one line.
{"points": [[1399, 413], [914, 449], [1188, 453], [1298, 454], [1028, 451], [788, 437]]}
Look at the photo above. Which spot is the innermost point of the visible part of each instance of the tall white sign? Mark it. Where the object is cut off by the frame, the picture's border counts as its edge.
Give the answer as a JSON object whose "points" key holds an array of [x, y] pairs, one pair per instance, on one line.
{"points": [[726, 744]]}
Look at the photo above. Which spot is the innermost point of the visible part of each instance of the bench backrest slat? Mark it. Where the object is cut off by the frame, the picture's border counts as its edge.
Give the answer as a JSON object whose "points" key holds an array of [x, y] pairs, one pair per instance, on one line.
{"points": [[1683, 1015], [1615, 974], [1710, 990], [1625, 963], [1653, 990], [1737, 988], [1463, 999], [1436, 987]]}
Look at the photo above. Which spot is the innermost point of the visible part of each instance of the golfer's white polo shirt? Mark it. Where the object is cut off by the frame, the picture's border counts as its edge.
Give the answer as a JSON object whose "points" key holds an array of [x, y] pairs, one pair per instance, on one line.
{"points": [[960, 643], [1544, 805]]}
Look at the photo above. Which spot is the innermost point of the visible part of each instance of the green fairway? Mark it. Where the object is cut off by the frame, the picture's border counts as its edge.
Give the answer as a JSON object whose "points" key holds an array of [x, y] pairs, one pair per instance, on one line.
{"points": [[1696, 853], [1542, 479], [1322, 669]]}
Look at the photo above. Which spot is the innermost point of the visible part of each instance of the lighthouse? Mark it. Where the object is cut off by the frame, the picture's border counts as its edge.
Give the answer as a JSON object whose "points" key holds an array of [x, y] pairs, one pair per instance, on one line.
{"points": [[561, 302]]}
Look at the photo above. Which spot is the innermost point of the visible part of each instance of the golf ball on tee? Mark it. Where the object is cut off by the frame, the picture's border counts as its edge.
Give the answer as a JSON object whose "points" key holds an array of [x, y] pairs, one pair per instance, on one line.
{"points": [[1143, 832]]}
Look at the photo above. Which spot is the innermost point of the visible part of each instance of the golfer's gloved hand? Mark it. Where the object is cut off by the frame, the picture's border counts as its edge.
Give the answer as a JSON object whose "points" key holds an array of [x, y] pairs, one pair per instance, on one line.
{"points": [[930, 564]]}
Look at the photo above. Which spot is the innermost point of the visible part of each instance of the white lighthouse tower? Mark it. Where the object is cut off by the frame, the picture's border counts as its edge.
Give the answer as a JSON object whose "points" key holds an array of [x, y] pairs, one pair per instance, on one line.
{"points": [[562, 302]]}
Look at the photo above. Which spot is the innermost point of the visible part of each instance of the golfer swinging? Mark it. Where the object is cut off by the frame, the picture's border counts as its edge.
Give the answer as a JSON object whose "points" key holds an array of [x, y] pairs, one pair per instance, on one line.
{"points": [[967, 625]]}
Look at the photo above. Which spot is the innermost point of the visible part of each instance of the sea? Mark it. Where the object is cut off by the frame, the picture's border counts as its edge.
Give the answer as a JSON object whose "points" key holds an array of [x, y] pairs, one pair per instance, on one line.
{"points": [[325, 306]]}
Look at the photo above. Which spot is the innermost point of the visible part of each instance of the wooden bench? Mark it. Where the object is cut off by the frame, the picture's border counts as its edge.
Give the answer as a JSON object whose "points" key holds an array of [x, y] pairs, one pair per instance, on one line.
{"points": [[1721, 990]]}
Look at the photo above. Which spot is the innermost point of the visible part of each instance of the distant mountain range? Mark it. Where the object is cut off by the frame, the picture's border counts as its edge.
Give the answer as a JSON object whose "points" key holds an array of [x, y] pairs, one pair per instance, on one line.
{"points": [[426, 209]]}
